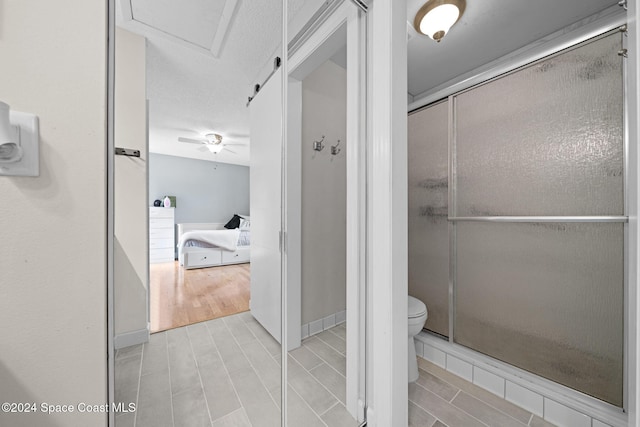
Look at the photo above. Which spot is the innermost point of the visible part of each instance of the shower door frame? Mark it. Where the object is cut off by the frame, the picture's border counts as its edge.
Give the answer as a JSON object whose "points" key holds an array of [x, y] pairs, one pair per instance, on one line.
{"points": [[594, 26]]}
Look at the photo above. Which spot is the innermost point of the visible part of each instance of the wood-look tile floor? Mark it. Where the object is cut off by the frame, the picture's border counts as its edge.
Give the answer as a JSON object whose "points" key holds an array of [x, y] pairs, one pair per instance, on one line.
{"points": [[440, 398], [180, 297], [226, 372]]}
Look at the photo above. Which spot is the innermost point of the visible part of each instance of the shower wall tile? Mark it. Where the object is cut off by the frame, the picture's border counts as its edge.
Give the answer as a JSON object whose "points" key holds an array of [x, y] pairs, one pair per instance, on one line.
{"points": [[460, 368], [525, 398], [488, 381], [520, 400], [562, 416], [434, 355], [597, 423]]}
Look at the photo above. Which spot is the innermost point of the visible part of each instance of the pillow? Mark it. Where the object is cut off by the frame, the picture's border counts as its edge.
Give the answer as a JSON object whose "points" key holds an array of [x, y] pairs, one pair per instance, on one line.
{"points": [[233, 222], [245, 224]]}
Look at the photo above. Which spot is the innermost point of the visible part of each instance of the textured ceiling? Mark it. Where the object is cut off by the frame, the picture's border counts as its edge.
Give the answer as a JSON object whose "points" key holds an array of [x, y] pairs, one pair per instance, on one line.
{"points": [[488, 30], [195, 21], [191, 92], [194, 90]]}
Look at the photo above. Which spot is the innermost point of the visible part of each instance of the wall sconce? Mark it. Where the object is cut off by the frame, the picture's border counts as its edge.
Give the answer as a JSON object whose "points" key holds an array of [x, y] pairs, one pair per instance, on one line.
{"points": [[436, 17], [19, 137]]}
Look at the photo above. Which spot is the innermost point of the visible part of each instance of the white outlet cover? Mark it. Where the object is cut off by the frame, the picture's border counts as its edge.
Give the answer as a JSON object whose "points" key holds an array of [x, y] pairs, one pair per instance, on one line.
{"points": [[29, 165]]}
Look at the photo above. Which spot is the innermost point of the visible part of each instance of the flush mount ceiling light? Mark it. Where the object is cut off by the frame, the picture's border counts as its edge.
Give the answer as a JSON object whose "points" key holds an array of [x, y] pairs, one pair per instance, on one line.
{"points": [[436, 17]]}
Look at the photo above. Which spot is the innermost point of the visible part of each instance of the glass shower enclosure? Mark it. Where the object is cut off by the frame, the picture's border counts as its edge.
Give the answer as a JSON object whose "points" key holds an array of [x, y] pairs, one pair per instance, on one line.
{"points": [[517, 217]]}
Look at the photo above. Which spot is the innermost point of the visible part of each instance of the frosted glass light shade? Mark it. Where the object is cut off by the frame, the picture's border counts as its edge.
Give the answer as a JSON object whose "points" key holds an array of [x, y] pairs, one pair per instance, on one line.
{"points": [[439, 21], [436, 17], [215, 148]]}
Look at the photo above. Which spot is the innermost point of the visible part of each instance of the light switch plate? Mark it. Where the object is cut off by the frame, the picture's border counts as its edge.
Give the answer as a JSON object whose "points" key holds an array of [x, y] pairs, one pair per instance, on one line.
{"points": [[29, 165]]}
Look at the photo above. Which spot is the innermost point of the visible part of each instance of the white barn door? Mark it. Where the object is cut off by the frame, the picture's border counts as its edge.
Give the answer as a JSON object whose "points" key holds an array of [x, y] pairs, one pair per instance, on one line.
{"points": [[265, 202]]}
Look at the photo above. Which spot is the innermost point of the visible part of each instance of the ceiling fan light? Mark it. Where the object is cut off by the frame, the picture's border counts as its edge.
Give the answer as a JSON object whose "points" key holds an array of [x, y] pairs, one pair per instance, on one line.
{"points": [[436, 17], [213, 138], [215, 148]]}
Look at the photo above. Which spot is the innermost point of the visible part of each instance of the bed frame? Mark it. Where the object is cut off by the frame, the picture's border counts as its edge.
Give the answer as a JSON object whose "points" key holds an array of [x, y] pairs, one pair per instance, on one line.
{"points": [[192, 257]]}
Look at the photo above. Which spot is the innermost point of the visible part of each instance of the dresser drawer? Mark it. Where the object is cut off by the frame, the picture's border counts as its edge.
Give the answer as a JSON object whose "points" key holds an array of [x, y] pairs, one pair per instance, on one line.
{"points": [[160, 223], [161, 243], [161, 255], [235, 257], [161, 233], [161, 213], [192, 260]]}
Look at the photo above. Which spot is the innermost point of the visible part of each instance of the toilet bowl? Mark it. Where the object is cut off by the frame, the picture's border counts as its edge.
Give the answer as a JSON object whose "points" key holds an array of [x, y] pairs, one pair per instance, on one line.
{"points": [[417, 316]]}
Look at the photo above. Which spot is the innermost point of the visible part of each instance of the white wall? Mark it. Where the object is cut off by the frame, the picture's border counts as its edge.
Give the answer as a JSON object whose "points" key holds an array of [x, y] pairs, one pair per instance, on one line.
{"points": [[324, 193], [131, 262], [53, 227]]}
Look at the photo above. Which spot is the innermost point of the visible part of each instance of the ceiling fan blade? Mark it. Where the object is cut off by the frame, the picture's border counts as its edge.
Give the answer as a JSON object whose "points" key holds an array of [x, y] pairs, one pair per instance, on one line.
{"points": [[231, 151], [239, 145], [203, 148], [192, 141]]}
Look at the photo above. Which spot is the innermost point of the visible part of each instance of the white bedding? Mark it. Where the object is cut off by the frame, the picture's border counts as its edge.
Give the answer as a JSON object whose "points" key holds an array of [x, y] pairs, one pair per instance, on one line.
{"points": [[225, 239]]}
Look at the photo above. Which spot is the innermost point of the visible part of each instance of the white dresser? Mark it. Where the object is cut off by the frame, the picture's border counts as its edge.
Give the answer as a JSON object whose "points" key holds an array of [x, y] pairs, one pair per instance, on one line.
{"points": [[162, 245]]}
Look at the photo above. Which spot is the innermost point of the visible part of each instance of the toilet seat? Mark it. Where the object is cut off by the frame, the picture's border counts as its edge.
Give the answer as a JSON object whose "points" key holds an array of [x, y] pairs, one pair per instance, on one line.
{"points": [[416, 308]]}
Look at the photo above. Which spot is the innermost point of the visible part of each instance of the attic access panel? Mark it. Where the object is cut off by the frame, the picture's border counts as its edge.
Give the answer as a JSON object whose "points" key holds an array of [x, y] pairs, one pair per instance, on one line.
{"points": [[203, 23]]}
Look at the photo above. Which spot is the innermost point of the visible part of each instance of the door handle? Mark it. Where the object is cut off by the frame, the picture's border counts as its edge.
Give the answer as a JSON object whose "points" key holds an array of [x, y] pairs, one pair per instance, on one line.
{"points": [[127, 152]]}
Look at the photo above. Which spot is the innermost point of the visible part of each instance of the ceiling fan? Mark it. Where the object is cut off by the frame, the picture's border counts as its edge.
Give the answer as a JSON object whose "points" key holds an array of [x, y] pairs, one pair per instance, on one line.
{"points": [[212, 142]]}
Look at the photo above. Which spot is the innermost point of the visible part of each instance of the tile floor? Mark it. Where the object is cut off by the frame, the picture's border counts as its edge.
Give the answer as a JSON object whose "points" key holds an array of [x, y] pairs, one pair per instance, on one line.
{"points": [[226, 372], [440, 398]]}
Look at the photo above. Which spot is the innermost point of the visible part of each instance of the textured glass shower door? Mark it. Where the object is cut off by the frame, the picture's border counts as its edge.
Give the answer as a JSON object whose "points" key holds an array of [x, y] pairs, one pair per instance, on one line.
{"points": [[428, 210], [538, 212]]}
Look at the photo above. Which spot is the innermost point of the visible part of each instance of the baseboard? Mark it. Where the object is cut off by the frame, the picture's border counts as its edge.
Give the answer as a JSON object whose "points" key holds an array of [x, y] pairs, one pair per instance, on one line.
{"points": [[553, 402], [317, 326], [128, 339]]}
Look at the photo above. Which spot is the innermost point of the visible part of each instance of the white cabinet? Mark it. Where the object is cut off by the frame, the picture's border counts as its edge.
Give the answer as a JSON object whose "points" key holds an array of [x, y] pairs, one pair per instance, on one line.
{"points": [[162, 244]]}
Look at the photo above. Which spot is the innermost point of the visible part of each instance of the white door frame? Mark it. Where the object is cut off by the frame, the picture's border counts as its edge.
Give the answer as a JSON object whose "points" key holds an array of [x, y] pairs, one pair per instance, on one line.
{"points": [[387, 371], [345, 21], [633, 201]]}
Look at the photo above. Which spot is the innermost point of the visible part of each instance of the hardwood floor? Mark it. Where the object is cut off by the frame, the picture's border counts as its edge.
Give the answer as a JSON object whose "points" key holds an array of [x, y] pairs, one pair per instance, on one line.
{"points": [[182, 297]]}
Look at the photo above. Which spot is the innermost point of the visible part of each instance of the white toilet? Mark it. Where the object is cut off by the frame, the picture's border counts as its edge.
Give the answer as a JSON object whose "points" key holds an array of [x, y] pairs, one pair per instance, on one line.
{"points": [[417, 316]]}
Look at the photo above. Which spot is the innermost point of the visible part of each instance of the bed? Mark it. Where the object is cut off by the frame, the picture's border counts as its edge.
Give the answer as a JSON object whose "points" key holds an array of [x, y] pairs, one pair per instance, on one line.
{"points": [[203, 245]]}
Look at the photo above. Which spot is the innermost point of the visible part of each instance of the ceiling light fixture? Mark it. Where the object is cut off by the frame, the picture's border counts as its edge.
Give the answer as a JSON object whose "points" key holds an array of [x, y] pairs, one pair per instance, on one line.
{"points": [[436, 17], [215, 148], [213, 138]]}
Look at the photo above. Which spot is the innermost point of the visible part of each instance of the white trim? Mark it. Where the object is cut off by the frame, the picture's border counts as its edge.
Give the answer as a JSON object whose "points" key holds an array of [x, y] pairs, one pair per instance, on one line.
{"points": [[387, 213], [128, 339], [632, 296], [356, 215], [284, 282], [343, 23], [293, 212], [230, 8], [145, 30], [545, 389], [110, 226], [316, 326]]}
